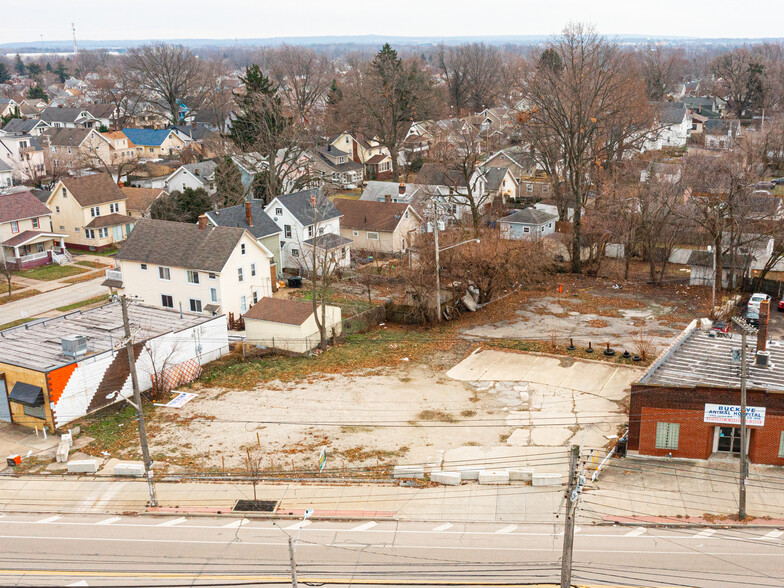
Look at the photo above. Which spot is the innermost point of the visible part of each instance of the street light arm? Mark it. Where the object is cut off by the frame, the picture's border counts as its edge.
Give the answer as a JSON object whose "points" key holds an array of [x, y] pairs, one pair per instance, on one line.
{"points": [[458, 244]]}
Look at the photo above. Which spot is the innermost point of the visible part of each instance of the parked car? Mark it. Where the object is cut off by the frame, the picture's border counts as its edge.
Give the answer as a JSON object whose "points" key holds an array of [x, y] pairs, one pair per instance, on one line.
{"points": [[752, 317], [781, 305], [756, 298]]}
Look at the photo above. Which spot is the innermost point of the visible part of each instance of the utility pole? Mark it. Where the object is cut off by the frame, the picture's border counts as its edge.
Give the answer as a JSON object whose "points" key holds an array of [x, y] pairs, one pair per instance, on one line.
{"points": [[745, 329], [438, 263], [137, 401], [293, 564], [572, 492]]}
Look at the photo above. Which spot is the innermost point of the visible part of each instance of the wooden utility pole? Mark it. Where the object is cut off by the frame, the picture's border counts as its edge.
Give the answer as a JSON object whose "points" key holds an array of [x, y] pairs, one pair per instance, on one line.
{"points": [[137, 401], [438, 263], [293, 564], [745, 330], [572, 492]]}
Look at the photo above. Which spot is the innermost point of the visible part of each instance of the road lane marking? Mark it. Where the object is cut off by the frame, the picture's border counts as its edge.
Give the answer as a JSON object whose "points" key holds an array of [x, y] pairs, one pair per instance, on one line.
{"points": [[365, 526], [79, 583], [109, 521], [636, 532], [236, 524], [172, 522], [774, 534], [441, 528], [507, 529], [706, 533], [296, 526], [49, 519]]}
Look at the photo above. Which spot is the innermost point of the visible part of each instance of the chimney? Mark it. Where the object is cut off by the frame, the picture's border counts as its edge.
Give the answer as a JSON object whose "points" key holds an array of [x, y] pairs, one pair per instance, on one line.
{"points": [[401, 189], [313, 201], [202, 222], [249, 214], [762, 330], [329, 147], [387, 198]]}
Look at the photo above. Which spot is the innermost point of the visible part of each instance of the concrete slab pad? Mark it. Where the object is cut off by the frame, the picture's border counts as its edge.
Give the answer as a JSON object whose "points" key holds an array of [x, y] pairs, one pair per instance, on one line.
{"points": [[546, 479], [446, 478], [550, 436], [521, 475], [489, 477], [519, 438], [85, 466]]}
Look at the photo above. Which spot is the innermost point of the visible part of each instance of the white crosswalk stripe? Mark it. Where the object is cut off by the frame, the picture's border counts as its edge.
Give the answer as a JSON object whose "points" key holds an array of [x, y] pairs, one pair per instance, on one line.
{"points": [[706, 533], [507, 529], [774, 534], [50, 519], [296, 526], [636, 532], [79, 583], [235, 524], [172, 522], [443, 527], [365, 526], [109, 521]]}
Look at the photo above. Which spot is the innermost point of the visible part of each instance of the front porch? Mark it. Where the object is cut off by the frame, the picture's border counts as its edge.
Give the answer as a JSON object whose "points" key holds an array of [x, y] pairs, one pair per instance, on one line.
{"points": [[32, 249]]}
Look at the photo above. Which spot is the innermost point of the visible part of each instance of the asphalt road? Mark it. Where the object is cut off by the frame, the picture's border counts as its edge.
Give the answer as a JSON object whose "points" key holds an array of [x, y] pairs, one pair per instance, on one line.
{"points": [[94, 550], [52, 299]]}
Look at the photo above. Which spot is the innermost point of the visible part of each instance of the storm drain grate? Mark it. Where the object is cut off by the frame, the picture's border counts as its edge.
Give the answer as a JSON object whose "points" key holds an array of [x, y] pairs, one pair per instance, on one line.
{"points": [[256, 505]]}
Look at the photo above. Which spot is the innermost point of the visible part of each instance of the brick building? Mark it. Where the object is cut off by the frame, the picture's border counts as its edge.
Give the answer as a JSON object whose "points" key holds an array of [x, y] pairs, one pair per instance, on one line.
{"points": [[688, 403]]}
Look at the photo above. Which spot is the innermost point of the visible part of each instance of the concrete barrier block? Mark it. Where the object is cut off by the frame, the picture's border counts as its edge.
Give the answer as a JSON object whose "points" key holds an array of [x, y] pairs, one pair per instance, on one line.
{"points": [[62, 452], [469, 472], [408, 472], [446, 478], [129, 468], [521, 474], [83, 466], [67, 438], [494, 477], [546, 479]]}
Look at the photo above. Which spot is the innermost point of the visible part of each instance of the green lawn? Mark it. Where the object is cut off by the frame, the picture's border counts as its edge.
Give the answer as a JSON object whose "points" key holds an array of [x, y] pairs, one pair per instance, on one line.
{"points": [[92, 264], [104, 253], [50, 272], [87, 302], [16, 323], [18, 296]]}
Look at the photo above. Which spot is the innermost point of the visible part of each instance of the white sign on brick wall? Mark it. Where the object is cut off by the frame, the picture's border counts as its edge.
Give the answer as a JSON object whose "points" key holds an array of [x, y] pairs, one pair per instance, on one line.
{"points": [[729, 414]]}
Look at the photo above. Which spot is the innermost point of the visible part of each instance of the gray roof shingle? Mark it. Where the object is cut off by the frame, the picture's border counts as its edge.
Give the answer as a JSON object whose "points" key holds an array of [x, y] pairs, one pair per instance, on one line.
{"points": [[234, 216], [299, 204], [528, 216]]}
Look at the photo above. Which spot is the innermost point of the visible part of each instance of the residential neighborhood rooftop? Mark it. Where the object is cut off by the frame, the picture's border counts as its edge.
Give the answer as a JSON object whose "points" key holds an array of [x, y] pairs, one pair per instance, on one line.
{"points": [[280, 310], [234, 216], [369, 215], [529, 216], [300, 205], [93, 189], [19, 205]]}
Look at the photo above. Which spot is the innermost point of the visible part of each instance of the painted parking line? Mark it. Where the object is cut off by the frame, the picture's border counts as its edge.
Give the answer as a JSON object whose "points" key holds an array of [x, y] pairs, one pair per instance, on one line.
{"points": [[49, 519], [364, 526], [507, 529], [706, 533], [236, 524], [109, 521], [172, 522], [443, 527], [296, 526], [636, 532], [774, 534]]}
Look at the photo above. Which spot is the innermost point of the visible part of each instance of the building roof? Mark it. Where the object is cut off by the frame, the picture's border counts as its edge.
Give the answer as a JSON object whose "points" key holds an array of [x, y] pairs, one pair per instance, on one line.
{"points": [[37, 345], [66, 137], [202, 169], [376, 159], [234, 216], [114, 135], [140, 199], [19, 205], [494, 176], [109, 220], [705, 259], [21, 126], [299, 205], [4, 167], [696, 359], [376, 190], [280, 310], [672, 113], [147, 137], [182, 245], [63, 115], [197, 133], [328, 241], [369, 215], [348, 165], [435, 174], [93, 189], [27, 236], [529, 216]]}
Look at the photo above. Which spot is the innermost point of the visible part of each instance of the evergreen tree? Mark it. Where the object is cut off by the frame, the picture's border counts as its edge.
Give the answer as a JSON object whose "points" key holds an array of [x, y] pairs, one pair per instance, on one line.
{"points": [[260, 118], [34, 70], [48, 67], [551, 60], [4, 75], [62, 71], [228, 181], [37, 92], [335, 94], [19, 65], [193, 203]]}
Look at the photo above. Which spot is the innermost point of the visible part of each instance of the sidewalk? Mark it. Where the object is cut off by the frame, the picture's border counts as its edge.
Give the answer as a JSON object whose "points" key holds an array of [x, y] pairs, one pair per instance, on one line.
{"points": [[51, 299]]}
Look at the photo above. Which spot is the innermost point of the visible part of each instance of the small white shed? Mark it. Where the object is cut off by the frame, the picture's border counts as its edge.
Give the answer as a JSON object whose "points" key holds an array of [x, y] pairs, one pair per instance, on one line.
{"points": [[288, 324]]}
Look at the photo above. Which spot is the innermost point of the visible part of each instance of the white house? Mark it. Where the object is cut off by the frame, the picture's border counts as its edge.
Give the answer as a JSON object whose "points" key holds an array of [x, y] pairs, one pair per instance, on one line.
{"points": [[308, 219], [671, 129], [198, 268], [24, 155], [289, 324], [528, 223], [193, 175], [6, 175]]}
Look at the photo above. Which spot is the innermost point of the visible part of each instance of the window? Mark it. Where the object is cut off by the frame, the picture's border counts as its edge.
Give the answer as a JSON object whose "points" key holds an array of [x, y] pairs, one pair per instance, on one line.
{"points": [[255, 297], [372, 236], [355, 233], [38, 412], [36, 224], [239, 274], [143, 266], [193, 277], [252, 269], [781, 445], [152, 150], [14, 226], [167, 301], [529, 188], [287, 231], [57, 209], [243, 303], [88, 233], [195, 305], [65, 193], [321, 231], [95, 211], [310, 231], [278, 212], [164, 273], [295, 253], [212, 276], [546, 188], [114, 207], [213, 294], [104, 232], [62, 228], [242, 248], [526, 230], [667, 435]]}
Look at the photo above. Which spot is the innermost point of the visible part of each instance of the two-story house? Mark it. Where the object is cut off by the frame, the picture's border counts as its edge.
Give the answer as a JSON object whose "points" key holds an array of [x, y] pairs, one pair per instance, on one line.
{"points": [[139, 201], [382, 227], [193, 175], [193, 267], [91, 210], [120, 148], [26, 233], [24, 155], [24, 126], [155, 143], [308, 219], [70, 149], [373, 156], [334, 166], [70, 118]]}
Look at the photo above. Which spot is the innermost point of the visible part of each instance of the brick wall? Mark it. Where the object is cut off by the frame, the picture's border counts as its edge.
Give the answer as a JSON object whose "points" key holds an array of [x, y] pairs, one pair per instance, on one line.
{"points": [[651, 404]]}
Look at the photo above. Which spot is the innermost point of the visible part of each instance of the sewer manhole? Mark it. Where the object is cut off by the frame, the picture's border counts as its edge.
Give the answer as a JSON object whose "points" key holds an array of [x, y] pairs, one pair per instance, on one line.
{"points": [[255, 505]]}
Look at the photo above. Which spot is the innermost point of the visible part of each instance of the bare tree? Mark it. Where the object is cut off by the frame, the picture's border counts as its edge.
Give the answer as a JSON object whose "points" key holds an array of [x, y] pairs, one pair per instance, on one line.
{"points": [[661, 68], [7, 271], [472, 74], [171, 76], [303, 76], [162, 356], [742, 78]]}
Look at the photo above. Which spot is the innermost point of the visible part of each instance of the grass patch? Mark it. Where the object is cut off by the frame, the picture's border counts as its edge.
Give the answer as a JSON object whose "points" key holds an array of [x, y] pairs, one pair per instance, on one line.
{"points": [[104, 253], [578, 353], [374, 349], [19, 296], [468, 413], [83, 278], [87, 302], [16, 323], [436, 415], [50, 272], [114, 429], [92, 264]]}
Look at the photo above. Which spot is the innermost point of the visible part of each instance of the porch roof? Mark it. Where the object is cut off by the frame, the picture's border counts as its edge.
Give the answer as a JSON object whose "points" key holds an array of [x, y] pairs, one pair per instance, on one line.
{"points": [[110, 220], [28, 237]]}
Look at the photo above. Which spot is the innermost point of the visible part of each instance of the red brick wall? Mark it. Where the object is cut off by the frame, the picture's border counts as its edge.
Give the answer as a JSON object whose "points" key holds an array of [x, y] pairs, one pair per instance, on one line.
{"points": [[652, 404]]}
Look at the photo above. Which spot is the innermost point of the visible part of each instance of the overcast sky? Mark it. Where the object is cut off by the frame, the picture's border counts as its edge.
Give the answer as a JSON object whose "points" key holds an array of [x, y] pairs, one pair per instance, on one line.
{"points": [[228, 19]]}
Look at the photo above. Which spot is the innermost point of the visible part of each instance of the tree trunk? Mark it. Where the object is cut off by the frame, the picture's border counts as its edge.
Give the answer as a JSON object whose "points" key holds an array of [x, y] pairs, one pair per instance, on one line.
{"points": [[393, 153], [576, 241]]}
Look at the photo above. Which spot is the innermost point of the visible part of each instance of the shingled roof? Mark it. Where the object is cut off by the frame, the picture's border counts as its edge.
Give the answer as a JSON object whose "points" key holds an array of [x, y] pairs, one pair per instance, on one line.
{"points": [[93, 189], [234, 216], [19, 205], [280, 310], [182, 245], [369, 215], [299, 204]]}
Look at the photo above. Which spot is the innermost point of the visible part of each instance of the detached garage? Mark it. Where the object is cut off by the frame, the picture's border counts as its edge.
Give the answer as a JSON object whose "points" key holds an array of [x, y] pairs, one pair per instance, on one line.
{"points": [[289, 324]]}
